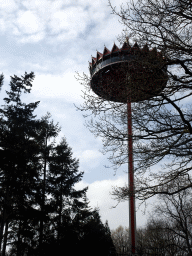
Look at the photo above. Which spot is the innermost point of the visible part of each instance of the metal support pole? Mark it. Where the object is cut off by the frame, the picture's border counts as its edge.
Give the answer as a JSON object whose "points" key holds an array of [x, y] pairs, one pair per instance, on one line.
{"points": [[132, 216]]}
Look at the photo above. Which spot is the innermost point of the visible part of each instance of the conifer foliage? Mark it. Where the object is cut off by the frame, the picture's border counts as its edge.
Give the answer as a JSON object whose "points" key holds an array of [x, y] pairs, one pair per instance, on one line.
{"points": [[41, 213]]}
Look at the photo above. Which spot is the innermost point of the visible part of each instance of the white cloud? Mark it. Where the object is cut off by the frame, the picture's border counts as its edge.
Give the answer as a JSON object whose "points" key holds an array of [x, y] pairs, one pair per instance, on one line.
{"points": [[99, 196], [90, 155], [111, 27], [28, 22], [98, 5], [65, 20], [43, 6], [71, 20], [8, 6], [52, 86], [33, 38], [99, 192], [2, 25]]}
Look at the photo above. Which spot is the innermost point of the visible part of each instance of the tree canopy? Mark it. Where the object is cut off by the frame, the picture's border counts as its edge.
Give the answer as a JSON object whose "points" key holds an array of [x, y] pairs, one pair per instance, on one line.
{"points": [[41, 212]]}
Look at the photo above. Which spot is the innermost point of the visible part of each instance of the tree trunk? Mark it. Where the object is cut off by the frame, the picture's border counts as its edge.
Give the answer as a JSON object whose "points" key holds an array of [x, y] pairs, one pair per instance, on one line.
{"points": [[4, 218], [5, 238], [2, 228], [60, 212], [42, 212], [19, 239], [43, 200]]}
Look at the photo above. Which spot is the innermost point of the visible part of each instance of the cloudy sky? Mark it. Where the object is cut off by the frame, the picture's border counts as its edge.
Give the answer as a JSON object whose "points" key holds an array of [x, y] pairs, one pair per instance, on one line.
{"points": [[54, 39]]}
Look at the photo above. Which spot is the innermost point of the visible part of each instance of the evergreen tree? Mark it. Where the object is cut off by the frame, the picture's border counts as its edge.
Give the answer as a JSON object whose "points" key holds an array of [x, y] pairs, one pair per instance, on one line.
{"points": [[109, 245], [49, 131], [97, 238], [41, 212], [19, 161], [63, 175]]}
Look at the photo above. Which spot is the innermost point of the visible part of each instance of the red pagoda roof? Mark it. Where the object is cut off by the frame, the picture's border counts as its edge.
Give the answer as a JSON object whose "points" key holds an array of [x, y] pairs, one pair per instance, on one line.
{"points": [[106, 52], [154, 51], [135, 48], [125, 49], [93, 60], [126, 46], [114, 49], [145, 49], [99, 56]]}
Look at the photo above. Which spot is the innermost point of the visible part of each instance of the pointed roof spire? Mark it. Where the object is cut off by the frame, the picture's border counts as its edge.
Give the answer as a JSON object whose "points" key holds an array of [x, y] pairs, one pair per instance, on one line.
{"points": [[159, 54], [135, 48], [145, 49], [93, 61], [126, 46], [106, 52], [99, 56], [114, 49], [154, 52]]}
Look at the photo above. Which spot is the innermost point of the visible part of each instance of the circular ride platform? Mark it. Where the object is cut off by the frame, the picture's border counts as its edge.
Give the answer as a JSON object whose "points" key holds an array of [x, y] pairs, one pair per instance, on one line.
{"points": [[128, 73]]}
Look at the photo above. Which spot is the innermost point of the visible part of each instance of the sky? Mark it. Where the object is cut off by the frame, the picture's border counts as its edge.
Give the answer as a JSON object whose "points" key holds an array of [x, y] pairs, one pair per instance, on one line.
{"points": [[55, 39]]}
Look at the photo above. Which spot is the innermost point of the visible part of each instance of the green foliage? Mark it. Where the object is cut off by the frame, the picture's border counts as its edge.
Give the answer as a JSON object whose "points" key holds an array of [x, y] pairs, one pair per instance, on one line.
{"points": [[41, 213]]}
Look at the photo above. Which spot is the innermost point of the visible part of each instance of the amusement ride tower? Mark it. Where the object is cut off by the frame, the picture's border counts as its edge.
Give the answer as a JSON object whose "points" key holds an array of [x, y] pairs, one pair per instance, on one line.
{"points": [[128, 74]]}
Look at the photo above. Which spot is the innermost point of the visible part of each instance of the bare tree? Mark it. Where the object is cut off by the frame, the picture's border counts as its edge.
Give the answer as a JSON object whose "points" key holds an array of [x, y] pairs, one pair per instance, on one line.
{"points": [[168, 231], [176, 212], [120, 237], [169, 228], [162, 124]]}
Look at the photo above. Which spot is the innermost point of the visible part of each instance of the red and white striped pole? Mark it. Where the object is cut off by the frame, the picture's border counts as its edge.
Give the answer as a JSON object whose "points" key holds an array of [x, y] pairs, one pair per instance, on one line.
{"points": [[132, 215]]}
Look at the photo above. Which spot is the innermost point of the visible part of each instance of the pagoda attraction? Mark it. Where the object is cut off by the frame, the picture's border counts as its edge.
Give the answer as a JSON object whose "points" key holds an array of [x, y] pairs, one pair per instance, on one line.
{"points": [[128, 74]]}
